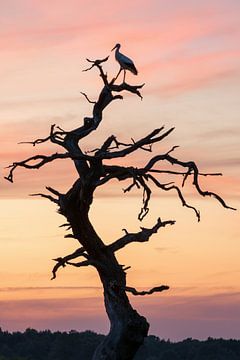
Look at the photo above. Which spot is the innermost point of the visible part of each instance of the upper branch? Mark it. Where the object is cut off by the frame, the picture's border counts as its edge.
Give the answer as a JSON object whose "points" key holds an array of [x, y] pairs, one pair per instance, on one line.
{"points": [[98, 63], [55, 136], [70, 139], [131, 88], [147, 140], [34, 162]]}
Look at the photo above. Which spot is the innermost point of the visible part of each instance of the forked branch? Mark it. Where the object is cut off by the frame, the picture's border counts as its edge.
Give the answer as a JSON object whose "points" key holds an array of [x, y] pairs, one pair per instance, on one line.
{"points": [[55, 136], [147, 140], [62, 261]]}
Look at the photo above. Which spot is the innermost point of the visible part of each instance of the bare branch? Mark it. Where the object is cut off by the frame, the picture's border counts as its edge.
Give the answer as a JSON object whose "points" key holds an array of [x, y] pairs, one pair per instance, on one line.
{"points": [[192, 169], [62, 261], [141, 236], [67, 225], [107, 143], [53, 191], [131, 88], [125, 268], [85, 95], [55, 137], [123, 173], [166, 187], [180, 173], [146, 197], [38, 161], [80, 264], [98, 63], [112, 139], [90, 261], [140, 175], [147, 140], [49, 197], [69, 236], [148, 292]]}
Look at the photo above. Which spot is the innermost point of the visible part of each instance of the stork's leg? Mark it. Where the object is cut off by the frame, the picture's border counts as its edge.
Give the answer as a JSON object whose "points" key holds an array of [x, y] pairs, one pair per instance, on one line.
{"points": [[124, 75], [118, 74]]}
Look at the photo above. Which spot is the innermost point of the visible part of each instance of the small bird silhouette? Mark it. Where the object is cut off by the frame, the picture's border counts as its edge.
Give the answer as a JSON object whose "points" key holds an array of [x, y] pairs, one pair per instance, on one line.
{"points": [[124, 62]]}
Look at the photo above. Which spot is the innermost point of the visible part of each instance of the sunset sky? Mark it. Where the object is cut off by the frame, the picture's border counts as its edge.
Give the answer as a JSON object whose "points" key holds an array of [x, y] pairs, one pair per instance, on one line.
{"points": [[188, 55]]}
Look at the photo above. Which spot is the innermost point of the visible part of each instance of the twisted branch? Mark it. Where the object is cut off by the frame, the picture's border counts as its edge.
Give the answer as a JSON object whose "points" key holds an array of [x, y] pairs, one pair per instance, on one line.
{"points": [[139, 176], [39, 159], [192, 170], [62, 261]]}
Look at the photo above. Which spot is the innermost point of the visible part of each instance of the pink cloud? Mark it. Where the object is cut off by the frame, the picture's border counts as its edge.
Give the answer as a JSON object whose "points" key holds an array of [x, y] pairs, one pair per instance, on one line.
{"points": [[171, 316], [177, 48]]}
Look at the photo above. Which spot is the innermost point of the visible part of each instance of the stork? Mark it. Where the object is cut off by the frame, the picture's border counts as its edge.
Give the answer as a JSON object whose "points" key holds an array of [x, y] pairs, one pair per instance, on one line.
{"points": [[124, 62]]}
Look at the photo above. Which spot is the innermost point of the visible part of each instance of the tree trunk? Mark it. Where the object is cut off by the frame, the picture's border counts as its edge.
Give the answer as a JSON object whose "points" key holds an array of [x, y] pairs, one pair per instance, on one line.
{"points": [[127, 328]]}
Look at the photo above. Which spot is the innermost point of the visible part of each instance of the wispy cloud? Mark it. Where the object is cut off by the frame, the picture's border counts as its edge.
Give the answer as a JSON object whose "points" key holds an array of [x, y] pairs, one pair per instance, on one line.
{"points": [[229, 132], [192, 45], [166, 249]]}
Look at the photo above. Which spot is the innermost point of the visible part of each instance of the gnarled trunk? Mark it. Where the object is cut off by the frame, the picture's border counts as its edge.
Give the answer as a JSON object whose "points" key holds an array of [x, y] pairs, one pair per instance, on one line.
{"points": [[127, 328]]}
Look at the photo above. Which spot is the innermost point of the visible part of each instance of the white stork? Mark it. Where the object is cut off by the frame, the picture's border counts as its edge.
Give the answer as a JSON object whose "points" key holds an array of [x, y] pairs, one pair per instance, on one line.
{"points": [[124, 62]]}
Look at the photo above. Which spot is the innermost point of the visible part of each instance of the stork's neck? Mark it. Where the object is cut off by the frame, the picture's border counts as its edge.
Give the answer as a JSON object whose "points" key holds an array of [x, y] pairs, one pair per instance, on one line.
{"points": [[117, 50]]}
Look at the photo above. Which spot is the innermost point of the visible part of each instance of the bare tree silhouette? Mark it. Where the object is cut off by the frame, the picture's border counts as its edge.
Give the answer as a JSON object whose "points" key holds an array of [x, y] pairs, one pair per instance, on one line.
{"points": [[128, 329]]}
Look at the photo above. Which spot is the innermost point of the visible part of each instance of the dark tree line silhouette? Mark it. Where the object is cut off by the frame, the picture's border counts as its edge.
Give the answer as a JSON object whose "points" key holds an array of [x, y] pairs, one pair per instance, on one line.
{"points": [[47, 345]]}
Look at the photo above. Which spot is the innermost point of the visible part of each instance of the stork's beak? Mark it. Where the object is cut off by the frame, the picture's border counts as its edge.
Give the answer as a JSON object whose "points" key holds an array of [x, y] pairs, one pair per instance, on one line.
{"points": [[114, 47]]}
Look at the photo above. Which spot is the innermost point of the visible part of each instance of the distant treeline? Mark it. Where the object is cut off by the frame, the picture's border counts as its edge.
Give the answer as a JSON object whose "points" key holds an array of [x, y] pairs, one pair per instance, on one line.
{"points": [[47, 345]]}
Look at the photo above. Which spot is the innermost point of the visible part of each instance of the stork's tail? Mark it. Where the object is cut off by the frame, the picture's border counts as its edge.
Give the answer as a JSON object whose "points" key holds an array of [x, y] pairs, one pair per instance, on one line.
{"points": [[134, 70]]}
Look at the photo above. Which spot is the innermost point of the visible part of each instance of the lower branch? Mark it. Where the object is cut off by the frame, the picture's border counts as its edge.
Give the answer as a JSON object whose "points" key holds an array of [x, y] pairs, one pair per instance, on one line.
{"points": [[62, 261], [127, 87], [80, 264], [148, 292]]}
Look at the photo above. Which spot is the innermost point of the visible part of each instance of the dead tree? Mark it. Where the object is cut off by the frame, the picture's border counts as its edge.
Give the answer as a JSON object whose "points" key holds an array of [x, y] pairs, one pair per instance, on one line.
{"points": [[127, 328]]}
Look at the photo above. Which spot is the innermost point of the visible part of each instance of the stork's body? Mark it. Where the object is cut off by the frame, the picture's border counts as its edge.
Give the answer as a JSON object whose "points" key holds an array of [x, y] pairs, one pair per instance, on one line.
{"points": [[124, 62]]}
